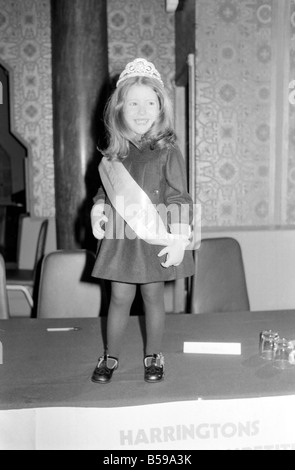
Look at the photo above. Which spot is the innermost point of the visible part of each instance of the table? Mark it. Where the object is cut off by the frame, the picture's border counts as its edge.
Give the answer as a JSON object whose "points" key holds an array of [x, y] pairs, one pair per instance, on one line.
{"points": [[52, 371]]}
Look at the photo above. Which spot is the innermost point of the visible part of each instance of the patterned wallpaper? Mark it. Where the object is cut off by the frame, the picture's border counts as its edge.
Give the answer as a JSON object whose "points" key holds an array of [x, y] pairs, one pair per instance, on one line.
{"points": [[289, 196], [25, 47], [234, 50], [141, 28], [242, 49], [245, 55], [136, 28]]}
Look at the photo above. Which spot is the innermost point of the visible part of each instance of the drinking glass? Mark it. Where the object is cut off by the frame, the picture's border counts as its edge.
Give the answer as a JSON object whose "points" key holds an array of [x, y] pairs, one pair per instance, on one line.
{"points": [[267, 344], [282, 358]]}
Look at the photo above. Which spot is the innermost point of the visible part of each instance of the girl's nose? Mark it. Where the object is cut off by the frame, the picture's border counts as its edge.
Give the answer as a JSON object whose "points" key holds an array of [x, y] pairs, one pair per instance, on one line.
{"points": [[142, 110]]}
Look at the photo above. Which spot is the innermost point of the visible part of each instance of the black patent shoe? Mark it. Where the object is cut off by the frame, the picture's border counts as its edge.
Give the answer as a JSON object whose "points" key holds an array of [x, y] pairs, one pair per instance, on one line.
{"points": [[154, 368], [104, 370]]}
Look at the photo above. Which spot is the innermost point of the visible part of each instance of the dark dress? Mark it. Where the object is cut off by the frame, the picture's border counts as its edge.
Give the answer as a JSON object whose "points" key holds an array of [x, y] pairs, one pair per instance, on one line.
{"points": [[161, 174]]}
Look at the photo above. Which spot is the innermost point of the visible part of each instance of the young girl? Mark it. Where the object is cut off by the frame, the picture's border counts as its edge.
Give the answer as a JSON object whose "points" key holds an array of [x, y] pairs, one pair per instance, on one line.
{"points": [[142, 168]]}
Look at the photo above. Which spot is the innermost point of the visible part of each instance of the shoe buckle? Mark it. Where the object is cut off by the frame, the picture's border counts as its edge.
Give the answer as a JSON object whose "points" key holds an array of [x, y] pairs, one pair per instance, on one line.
{"points": [[100, 361], [155, 360], [111, 362], [108, 361]]}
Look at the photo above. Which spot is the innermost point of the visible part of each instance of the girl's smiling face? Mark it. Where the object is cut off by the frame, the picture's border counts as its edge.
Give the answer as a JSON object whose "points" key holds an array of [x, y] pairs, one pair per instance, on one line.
{"points": [[141, 109]]}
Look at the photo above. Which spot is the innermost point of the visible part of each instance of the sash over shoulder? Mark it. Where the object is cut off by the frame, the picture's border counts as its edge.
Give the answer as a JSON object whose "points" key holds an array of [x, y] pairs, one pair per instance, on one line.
{"points": [[133, 204]]}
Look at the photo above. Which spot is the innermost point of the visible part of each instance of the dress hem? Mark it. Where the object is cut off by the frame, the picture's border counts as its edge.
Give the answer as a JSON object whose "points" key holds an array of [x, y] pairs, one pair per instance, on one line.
{"points": [[137, 281]]}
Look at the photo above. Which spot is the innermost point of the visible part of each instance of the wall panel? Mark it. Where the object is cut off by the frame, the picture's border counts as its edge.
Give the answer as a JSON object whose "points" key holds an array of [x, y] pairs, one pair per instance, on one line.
{"points": [[243, 118]]}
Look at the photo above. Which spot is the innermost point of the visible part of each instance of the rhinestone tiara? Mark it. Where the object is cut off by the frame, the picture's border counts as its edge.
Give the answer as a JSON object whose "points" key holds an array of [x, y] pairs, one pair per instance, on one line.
{"points": [[140, 68]]}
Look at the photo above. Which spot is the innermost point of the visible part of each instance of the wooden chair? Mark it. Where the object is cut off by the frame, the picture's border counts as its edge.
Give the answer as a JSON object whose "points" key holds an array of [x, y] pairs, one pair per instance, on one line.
{"points": [[219, 283], [4, 309], [67, 289], [24, 280]]}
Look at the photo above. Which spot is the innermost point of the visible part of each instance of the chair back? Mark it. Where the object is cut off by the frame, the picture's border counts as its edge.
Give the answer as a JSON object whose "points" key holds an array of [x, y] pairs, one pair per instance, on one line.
{"points": [[66, 288], [32, 238], [41, 243], [4, 309], [219, 283]]}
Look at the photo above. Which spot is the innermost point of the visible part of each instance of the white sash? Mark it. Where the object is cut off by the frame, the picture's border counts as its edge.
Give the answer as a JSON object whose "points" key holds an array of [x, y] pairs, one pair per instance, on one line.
{"points": [[133, 204]]}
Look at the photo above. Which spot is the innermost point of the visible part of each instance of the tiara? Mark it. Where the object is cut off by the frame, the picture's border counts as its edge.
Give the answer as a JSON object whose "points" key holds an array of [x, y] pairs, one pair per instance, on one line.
{"points": [[140, 68]]}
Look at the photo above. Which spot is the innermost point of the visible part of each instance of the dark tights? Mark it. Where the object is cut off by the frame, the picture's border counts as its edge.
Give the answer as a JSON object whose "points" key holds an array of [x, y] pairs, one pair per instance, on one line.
{"points": [[122, 297]]}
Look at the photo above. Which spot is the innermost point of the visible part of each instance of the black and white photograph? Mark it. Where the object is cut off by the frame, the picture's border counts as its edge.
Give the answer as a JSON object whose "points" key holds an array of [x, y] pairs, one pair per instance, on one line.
{"points": [[147, 227]]}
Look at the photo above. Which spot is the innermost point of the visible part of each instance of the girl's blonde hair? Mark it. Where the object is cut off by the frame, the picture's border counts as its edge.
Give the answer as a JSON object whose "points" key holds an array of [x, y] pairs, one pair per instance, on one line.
{"points": [[160, 135]]}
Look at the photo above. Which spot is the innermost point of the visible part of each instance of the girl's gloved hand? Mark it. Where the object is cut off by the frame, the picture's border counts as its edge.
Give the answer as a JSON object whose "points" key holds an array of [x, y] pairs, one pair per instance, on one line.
{"points": [[97, 219], [174, 252], [180, 234]]}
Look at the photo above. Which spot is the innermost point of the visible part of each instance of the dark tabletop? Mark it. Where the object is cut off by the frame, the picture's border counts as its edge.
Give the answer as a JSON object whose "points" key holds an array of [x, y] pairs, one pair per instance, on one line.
{"points": [[44, 369]]}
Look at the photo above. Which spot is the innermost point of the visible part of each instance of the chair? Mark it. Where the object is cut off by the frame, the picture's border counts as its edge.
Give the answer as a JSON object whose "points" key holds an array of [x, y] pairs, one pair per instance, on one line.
{"points": [[67, 289], [24, 280], [4, 310], [219, 283]]}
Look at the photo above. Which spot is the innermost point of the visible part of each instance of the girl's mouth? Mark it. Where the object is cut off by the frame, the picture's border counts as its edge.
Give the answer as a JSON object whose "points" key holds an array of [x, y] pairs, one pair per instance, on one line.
{"points": [[141, 122]]}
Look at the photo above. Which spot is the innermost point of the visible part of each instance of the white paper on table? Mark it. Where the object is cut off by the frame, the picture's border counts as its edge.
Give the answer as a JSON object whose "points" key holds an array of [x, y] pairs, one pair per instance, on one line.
{"points": [[212, 348]]}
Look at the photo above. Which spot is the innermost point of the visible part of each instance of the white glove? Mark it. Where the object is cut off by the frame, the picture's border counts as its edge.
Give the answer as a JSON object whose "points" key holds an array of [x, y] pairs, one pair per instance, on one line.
{"points": [[97, 219], [175, 250]]}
